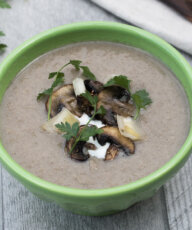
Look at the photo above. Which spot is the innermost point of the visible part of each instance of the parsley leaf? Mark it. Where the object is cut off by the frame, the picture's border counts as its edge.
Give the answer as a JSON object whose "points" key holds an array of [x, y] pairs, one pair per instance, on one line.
{"points": [[101, 110], [4, 4], [121, 81], [58, 80], [89, 131], [141, 99], [75, 63], [2, 46], [87, 73], [92, 99], [1, 33], [53, 74], [68, 130], [46, 92]]}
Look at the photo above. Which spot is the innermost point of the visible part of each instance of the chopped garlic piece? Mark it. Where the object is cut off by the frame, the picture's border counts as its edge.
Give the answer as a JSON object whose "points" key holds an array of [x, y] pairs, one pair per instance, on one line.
{"points": [[79, 86], [128, 127], [63, 116]]}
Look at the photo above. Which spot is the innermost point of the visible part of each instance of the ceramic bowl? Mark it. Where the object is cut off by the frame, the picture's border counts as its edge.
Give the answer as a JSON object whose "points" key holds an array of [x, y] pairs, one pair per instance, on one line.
{"points": [[100, 201]]}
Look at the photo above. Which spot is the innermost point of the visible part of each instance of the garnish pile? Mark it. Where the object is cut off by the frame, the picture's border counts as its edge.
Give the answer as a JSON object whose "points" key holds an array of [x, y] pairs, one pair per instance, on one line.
{"points": [[109, 113]]}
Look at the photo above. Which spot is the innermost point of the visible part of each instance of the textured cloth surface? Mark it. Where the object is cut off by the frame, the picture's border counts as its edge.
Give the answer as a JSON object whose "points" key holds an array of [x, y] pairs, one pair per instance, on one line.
{"points": [[155, 17]]}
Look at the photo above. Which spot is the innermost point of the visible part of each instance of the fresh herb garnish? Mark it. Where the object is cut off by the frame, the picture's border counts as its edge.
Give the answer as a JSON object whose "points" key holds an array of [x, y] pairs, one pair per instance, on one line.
{"points": [[141, 99], [75, 63], [121, 81], [68, 130], [53, 74], [59, 79], [87, 131], [4, 4], [2, 46], [59, 76], [86, 71], [1, 33]]}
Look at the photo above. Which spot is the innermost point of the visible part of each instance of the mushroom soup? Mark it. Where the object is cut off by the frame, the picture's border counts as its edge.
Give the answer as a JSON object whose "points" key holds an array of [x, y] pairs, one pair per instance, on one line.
{"points": [[115, 131]]}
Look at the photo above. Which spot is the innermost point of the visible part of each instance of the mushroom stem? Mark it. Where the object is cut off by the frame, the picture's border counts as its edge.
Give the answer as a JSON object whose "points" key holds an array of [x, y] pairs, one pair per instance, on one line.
{"points": [[63, 97]]}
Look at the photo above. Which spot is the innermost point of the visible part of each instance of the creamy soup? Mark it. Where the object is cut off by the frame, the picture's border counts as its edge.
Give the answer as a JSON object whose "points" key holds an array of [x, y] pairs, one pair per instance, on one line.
{"points": [[165, 122]]}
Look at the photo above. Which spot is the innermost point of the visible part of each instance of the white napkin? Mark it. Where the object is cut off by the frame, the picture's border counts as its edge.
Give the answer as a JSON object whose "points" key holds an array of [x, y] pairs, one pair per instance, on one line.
{"points": [[155, 17]]}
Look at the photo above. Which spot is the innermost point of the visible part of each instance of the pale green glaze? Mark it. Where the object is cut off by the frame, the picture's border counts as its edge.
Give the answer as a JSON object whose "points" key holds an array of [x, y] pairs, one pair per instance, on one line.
{"points": [[101, 201]]}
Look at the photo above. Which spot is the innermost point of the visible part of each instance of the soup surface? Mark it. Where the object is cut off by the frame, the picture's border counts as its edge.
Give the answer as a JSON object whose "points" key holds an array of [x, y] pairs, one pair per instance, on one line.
{"points": [[165, 122]]}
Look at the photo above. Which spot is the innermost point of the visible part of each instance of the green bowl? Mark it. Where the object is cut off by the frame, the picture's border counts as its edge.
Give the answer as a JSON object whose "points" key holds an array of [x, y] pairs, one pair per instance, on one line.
{"points": [[100, 201]]}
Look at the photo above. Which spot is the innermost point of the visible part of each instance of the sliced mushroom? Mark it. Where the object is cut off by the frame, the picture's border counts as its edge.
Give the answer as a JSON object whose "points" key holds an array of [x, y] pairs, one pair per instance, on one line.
{"points": [[113, 136], [84, 105], [79, 153], [64, 97], [110, 117], [116, 101], [93, 87], [116, 92], [112, 152], [90, 146]]}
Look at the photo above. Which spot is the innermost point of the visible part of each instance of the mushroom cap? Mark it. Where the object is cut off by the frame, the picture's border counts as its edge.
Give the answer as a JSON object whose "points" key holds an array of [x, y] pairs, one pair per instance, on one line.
{"points": [[112, 152], [93, 87], [78, 153], [84, 105], [111, 97], [64, 97], [111, 134], [115, 100]]}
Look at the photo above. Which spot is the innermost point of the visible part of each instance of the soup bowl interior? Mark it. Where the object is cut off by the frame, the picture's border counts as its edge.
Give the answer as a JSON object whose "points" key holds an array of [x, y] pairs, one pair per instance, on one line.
{"points": [[100, 201]]}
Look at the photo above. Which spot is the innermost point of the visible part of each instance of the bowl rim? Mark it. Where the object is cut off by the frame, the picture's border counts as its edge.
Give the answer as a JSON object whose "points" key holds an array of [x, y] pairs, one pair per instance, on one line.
{"points": [[183, 152]]}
